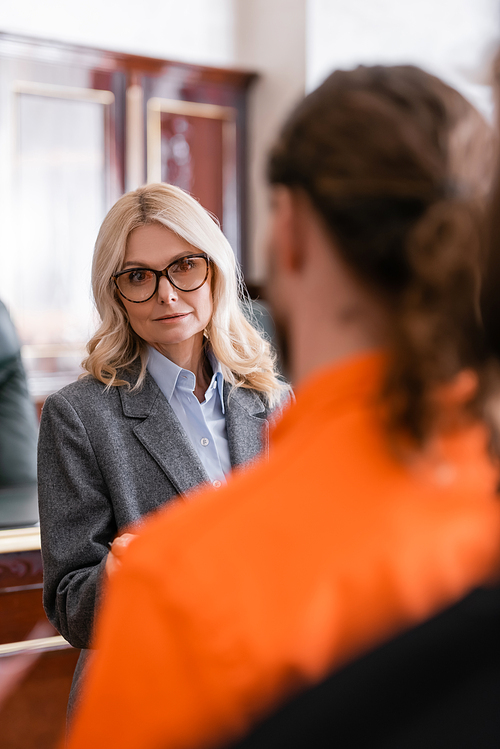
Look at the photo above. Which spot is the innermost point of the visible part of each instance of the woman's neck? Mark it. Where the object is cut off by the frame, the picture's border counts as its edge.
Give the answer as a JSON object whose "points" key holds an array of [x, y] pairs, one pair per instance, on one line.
{"points": [[190, 355]]}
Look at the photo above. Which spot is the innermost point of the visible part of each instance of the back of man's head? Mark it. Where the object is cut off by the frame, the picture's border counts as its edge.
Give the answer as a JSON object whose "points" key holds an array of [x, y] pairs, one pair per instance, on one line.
{"points": [[392, 163]]}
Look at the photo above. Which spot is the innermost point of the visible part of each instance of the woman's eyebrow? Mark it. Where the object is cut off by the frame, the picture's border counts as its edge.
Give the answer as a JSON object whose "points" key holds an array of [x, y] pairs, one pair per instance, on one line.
{"points": [[141, 264]]}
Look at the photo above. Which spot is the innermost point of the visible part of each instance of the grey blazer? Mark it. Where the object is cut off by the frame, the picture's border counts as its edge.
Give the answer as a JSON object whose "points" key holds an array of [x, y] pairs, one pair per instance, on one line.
{"points": [[106, 459]]}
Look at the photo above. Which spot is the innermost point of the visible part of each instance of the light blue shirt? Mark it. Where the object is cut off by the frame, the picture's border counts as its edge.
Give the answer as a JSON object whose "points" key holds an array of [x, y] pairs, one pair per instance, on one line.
{"points": [[204, 423]]}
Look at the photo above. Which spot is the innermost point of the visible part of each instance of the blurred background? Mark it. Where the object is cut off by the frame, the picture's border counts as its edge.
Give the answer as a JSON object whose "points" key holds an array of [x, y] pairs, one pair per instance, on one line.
{"points": [[99, 97]]}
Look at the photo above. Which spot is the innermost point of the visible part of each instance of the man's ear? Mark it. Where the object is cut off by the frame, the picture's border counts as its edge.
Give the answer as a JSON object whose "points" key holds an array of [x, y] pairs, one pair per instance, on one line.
{"points": [[287, 227]]}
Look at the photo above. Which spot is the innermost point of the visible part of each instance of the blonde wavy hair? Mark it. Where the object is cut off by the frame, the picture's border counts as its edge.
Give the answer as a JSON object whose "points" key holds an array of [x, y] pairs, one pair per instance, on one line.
{"points": [[246, 358]]}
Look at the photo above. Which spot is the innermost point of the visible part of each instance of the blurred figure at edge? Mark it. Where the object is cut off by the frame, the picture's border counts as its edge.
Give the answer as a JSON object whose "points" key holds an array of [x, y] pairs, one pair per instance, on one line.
{"points": [[378, 505], [18, 425], [436, 685]]}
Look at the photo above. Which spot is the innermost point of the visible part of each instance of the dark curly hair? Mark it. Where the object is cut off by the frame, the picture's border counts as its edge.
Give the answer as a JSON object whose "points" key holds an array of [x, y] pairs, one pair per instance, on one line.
{"points": [[397, 164]]}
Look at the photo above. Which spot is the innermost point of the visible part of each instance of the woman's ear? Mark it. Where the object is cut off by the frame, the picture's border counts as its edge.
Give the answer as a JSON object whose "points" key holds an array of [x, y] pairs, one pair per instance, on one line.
{"points": [[286, 229]]}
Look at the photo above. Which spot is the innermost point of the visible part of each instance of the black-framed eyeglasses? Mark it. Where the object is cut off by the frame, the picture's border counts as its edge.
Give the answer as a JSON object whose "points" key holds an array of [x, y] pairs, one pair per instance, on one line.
{"points": [[138, 285]]}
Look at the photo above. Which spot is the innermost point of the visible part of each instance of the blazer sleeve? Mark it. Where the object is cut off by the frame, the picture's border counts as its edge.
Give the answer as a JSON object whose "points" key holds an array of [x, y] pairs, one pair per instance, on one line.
{"points": [[76, 521]]}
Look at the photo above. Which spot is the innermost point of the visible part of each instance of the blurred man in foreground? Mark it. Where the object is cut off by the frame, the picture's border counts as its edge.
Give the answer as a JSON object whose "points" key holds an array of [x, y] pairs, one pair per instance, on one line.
{"points": [[377, 507]]}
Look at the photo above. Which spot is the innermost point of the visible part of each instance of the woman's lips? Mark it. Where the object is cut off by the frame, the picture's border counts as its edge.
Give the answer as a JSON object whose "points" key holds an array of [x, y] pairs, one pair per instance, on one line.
{"points": [[171, 318]]}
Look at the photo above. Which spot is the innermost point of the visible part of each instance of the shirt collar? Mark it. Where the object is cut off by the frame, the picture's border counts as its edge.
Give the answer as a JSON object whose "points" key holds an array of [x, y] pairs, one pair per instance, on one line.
{"points": [[217, 377], [166, 374]]}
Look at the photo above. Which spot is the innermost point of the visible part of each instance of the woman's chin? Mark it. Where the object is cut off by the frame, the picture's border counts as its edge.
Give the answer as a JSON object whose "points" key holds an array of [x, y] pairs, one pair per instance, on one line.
{"points": [[176, 339]]}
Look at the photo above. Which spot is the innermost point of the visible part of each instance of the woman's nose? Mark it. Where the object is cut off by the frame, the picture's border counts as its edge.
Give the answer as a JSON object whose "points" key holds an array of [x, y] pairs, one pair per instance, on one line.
{"points": [[166, 292]]}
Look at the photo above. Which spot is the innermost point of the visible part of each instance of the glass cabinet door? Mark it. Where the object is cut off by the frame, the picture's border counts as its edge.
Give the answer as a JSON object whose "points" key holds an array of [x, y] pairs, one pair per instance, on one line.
{"points": [[193, 145], [78, 126], [59, 145]]}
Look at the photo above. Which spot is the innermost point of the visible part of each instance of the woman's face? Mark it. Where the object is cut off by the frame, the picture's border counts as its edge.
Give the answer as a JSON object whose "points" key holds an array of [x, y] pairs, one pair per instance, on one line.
{"points": [[171, 318]]}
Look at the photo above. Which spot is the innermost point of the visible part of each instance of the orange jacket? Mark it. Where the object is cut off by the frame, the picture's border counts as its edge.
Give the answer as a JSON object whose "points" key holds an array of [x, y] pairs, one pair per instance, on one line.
{"points": [[232, 600]]}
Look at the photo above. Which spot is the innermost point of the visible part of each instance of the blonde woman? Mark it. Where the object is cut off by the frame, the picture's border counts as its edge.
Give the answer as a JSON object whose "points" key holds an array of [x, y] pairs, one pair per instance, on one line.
{"points": [[179, 389]]}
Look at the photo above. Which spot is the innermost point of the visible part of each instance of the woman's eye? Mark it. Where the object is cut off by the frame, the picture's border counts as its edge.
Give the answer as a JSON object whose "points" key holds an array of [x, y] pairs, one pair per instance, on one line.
{"points": [[183, 266], [139, 276]]}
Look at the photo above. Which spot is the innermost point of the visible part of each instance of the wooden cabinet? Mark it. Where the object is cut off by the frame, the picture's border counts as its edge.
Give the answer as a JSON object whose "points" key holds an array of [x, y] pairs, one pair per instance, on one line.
{"points": [[78, 127], [35, 674]]}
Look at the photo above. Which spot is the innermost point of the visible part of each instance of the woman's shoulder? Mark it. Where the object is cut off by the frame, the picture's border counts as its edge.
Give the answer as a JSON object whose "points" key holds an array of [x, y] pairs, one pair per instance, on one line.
{"points": [[284, 398], [85, 393], [88, 394], [85, 385], [258, 402]]}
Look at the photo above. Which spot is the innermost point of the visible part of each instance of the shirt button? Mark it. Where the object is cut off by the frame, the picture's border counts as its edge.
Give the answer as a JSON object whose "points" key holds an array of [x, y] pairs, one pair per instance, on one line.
{"points": [[205, 441], [217, 483]]}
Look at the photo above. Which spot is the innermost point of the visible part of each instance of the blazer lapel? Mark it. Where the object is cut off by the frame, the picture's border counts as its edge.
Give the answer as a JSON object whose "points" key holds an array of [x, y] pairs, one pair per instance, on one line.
{"points": [[160, 432], [246, 424]]}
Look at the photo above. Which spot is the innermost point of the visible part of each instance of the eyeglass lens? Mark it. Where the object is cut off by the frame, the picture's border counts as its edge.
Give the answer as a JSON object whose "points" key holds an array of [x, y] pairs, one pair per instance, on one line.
{"points": [[187, 274]]}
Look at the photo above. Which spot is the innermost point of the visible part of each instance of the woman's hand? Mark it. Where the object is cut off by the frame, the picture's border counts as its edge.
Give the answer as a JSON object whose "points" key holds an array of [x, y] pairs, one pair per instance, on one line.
{"points": [[119, 545]]}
